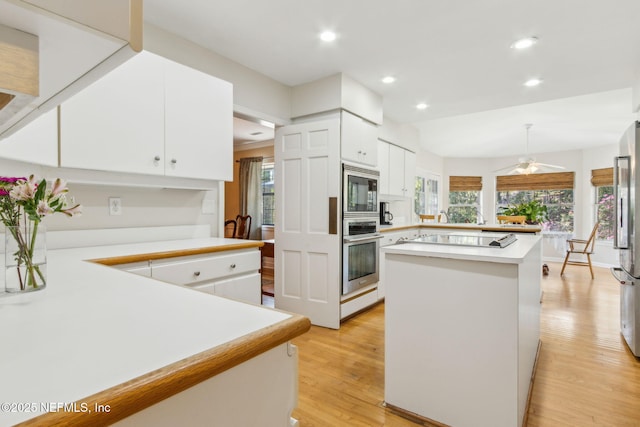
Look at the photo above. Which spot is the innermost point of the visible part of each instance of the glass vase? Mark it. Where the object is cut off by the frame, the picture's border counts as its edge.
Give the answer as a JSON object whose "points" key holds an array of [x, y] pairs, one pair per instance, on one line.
{"points": [[25, 257]]}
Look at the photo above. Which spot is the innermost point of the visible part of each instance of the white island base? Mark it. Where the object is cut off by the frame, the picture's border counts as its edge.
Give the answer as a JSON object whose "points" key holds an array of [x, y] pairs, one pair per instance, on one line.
{"points": [[462, 331]]}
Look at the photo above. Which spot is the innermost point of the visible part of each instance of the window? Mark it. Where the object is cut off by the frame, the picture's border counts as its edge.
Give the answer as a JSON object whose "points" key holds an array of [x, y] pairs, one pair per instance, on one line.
{"points": [[464, 198], [602, 181], [554, 190], [268, 194], [426, 195], [559, 205], [463, 206]]}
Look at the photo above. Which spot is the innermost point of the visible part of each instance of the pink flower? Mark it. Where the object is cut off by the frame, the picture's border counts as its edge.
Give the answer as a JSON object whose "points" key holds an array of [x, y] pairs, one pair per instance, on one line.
{"points": [[43, 208], [23, 190], [74, 211], [59, 187]]}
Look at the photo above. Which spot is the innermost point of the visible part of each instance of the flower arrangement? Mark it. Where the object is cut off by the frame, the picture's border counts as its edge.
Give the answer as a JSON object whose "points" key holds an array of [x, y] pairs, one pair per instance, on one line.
{"points": [[23, 204]]}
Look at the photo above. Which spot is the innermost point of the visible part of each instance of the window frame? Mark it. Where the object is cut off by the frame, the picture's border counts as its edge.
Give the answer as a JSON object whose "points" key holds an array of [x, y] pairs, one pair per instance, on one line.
{"points": [[271, 195]]}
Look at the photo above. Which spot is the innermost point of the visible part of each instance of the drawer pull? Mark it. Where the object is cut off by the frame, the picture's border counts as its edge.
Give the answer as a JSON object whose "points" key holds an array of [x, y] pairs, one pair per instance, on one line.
{"points": [[232, 266], [197, 273]]}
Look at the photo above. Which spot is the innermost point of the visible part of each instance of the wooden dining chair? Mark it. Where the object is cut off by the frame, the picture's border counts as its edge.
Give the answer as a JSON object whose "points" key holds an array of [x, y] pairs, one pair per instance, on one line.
{"points": [[244, 227], [582, 248], [230, 227], [512, 219], [427, 217]]}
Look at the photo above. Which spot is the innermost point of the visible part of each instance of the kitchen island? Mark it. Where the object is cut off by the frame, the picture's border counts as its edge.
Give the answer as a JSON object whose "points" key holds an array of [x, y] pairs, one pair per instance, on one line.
{"points": [[462, 327], [101, 346]]}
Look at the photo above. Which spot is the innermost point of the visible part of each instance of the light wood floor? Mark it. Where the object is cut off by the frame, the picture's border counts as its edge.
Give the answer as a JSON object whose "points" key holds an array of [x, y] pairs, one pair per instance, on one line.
{"points": [[586, 375]]}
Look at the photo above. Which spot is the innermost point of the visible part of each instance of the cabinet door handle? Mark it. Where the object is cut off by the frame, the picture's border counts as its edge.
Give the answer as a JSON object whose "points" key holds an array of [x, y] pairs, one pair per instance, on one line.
{"points": [[364, 153], [174, 161], [156, 158], [196, 273], [232, 266]]}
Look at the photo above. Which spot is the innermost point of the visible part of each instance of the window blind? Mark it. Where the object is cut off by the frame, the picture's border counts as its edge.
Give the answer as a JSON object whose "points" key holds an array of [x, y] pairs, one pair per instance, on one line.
{"points": [[536, 181], [465, 183], [602, 177]]}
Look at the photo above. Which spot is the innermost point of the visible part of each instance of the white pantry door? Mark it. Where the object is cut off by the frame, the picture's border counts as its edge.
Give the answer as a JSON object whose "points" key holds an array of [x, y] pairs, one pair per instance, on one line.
{"points": [[307, 249]]}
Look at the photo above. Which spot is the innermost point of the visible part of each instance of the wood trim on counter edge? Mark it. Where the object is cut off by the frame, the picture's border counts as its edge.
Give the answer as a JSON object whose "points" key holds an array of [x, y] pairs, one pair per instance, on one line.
{"points": [[126, 259], [142, 392]]}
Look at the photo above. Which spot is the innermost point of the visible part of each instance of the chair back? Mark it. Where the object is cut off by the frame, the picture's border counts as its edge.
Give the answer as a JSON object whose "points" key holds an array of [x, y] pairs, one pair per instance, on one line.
{"points": [[244, 226], [427, 217], [512, 219], [230, 226], [591, 241]]}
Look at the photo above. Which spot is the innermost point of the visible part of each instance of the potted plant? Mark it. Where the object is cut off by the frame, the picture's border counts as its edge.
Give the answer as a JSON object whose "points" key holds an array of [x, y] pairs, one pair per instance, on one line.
{"points": [[534, 210]]}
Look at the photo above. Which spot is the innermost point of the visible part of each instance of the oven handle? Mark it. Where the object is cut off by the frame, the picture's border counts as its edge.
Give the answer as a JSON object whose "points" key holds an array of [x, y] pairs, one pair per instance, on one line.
{"points": [[362, 239]]}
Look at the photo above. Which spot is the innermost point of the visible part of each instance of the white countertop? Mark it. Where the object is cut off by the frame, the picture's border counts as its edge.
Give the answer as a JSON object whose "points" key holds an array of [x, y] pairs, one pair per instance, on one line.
{"points": [[94, 326], [512, 254]]}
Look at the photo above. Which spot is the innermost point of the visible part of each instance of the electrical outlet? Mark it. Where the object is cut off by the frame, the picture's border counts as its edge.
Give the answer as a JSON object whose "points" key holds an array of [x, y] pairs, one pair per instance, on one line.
{"points": [[115, 206]]}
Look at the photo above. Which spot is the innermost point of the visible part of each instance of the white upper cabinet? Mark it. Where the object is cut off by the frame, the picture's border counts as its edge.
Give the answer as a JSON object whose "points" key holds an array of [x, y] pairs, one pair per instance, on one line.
{"points": [[151, 116], [117, 123], [36, 143], [397, 170], [199, 124], [383, 167], [359, 139]]}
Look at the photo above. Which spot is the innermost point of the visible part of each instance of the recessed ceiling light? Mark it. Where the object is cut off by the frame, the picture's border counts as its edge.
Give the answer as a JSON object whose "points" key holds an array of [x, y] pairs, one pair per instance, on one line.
{"points": [[327, 36], [532, 82], [388, 79], [524, 43], [422, 106]]}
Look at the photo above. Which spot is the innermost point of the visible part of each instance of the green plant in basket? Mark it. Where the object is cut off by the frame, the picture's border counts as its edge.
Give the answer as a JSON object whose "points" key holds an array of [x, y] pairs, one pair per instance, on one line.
{"points": [[23, 204], [534, 210]]}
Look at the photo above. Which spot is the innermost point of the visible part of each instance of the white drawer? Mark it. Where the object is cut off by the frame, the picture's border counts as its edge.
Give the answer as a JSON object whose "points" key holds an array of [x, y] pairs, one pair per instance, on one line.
{"points": [[205, 269]]}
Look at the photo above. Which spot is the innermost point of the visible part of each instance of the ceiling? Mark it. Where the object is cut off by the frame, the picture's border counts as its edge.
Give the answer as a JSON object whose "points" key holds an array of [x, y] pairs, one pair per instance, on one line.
{"points": [[454, 55]]}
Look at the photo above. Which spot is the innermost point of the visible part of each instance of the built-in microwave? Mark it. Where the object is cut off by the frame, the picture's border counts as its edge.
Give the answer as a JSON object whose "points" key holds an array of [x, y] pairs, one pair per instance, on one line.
{"points": [[360, 196]]}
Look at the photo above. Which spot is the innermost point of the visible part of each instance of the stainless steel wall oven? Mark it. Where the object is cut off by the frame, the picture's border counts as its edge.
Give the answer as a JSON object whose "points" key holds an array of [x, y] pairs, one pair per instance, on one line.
{"points": [[360, 253]]}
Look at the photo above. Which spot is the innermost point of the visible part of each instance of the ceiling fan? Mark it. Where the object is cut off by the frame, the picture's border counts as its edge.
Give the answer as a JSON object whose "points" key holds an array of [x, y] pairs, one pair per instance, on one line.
{"points": [[527, 165]]}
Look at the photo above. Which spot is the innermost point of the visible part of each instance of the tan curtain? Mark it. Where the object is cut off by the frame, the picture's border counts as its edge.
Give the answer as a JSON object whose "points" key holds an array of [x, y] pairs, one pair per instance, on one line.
{"points": [[465, 183], [536, 181], [602, 177], [251, 193]]}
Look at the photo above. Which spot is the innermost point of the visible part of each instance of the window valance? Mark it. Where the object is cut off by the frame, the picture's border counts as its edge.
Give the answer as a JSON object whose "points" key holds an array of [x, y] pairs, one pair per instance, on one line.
{"points": [[536, 181]]}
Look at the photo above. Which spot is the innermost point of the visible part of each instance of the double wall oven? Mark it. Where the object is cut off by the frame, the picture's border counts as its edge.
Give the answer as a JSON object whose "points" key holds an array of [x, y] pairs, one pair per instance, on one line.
{"points": [[361, 223]]}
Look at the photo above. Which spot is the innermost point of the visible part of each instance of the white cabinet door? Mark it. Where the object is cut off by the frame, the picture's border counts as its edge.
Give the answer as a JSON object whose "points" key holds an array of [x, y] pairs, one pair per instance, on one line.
{"points": [[199, 124], [244, 288], [401, 172], [359, 139], [409, 173], [36, 143], [117, 123], [383, 166], [396, 170], [307, 259]]}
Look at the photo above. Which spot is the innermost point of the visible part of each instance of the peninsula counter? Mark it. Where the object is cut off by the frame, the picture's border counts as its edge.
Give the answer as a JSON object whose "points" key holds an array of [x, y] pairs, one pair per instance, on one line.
{"points": [[101, 346]]}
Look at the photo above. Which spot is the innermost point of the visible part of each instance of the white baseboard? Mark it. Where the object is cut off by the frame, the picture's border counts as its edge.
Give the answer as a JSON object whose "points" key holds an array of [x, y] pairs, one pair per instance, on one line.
{"points": [[594, 263]]}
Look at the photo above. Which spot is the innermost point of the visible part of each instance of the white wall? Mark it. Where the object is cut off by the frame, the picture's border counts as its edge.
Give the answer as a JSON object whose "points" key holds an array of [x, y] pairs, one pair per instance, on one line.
{"points": [[141, 207], [579, 161]]}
